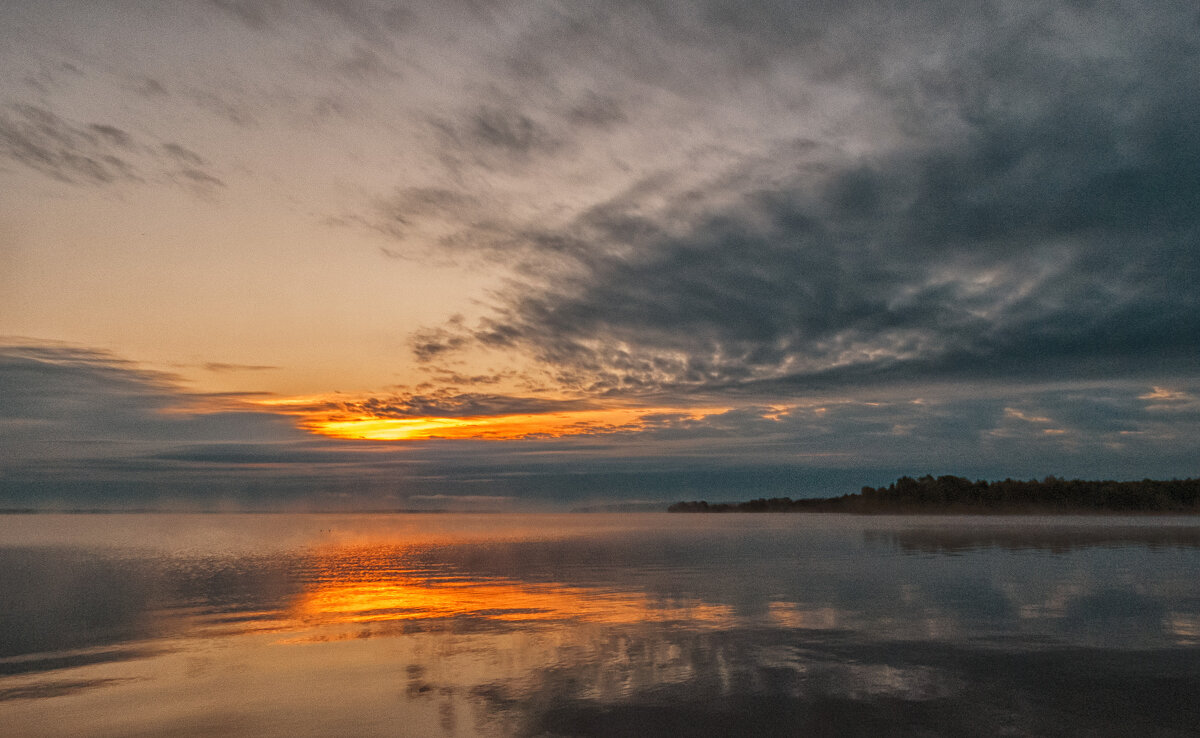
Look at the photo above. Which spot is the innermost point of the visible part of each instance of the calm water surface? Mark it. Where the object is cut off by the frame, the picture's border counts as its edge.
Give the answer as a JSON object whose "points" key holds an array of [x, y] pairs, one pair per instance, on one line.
{"points": [[648, 624]]}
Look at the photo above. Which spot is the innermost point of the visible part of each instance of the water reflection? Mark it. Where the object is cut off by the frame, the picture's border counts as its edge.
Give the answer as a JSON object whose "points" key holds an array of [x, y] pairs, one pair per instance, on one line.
{"points": [[1042, 536], [603, 625], [380, 585]]}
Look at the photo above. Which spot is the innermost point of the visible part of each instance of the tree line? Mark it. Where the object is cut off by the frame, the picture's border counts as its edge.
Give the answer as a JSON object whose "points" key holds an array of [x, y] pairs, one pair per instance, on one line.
{"points": [[950, 494]]}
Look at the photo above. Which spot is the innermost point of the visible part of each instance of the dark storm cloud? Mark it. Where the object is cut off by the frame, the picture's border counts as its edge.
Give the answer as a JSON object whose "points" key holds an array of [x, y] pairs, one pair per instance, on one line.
{"points": [[1040, 217]]}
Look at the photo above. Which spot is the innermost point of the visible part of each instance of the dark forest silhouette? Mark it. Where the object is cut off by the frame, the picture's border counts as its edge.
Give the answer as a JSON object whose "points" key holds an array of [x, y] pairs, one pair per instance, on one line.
{"points": [[950, 494]]}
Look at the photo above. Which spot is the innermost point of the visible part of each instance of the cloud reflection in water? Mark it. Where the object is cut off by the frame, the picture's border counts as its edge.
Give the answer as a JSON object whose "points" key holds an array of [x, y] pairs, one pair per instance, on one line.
{"points": [[601, 625]]}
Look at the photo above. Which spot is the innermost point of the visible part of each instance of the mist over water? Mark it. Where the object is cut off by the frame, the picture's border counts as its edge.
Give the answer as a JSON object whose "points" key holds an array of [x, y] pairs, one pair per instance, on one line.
{"points": [[634, 624]]}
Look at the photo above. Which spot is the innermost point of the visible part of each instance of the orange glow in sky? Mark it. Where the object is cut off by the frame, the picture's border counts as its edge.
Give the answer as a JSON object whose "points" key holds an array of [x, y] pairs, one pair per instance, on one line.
{"points": [[495, 427]]}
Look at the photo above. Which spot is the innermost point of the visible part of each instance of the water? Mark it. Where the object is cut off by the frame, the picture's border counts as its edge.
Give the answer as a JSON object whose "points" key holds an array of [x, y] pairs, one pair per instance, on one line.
{"points": [[647, 624]]}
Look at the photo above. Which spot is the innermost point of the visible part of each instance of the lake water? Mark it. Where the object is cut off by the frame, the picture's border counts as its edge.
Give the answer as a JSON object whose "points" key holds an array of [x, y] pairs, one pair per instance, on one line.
{"points": [[640, 625]]}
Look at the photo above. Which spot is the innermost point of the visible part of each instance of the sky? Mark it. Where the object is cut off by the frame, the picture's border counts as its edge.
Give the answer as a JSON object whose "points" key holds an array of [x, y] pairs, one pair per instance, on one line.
{"points": [[326, 254]]}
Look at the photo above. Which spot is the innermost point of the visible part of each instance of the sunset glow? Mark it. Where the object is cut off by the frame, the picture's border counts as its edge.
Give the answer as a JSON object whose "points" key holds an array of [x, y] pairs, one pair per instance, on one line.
{"points": [[412, 598], [272, 255], [499, 427], [362, 363]]}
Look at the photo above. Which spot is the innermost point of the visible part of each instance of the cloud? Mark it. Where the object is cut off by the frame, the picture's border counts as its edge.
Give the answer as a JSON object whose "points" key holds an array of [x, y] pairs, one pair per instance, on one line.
{"points": [[410, 208], [813, 214], [83, 424], [40, 380], [450, 404], [184, 155], [57, 395], [1035, 215], [96, 153], [508, 130], [1174, 401], [82, 427], [370, 21], [600, 111], [41, 140]]}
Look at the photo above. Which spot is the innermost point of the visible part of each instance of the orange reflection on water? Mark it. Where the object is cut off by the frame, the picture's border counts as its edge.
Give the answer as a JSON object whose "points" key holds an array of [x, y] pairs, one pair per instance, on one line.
{"points": [[333, 600]]}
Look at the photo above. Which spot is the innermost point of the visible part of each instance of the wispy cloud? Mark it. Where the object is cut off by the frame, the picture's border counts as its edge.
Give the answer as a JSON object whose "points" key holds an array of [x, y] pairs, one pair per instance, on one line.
{"points": [[88, 154], [96, 153], [1015, 222]]}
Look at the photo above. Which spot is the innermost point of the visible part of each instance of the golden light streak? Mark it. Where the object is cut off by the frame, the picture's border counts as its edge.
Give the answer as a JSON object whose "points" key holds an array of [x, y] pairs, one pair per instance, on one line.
{"points": [[405, 598], [497, 427]]}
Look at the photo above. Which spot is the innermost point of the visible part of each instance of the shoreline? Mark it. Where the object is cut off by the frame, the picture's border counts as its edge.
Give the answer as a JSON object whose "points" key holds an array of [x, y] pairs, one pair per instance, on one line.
{"points": [[950, 495]]}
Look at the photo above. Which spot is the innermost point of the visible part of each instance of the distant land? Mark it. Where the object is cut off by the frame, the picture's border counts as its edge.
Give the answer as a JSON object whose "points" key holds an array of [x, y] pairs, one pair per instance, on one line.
{"points": [[957, 495]]}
